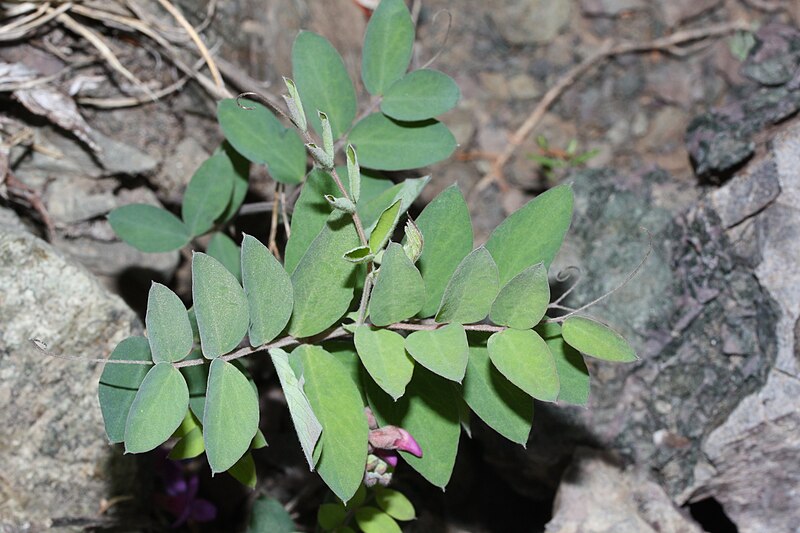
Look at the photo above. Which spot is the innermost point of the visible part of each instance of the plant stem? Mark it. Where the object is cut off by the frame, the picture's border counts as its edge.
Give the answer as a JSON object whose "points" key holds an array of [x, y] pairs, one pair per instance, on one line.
{"points": [[365, 294]]}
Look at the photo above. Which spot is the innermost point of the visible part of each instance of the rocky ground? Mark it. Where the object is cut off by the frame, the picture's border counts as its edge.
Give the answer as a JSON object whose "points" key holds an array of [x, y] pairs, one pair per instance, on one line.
{"points": [[700, 145]]}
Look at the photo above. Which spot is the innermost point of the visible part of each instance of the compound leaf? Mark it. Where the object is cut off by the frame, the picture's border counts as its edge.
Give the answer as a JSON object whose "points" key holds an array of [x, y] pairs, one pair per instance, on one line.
{"points": [[429, 412], [323, 280], [223, 249], [421, 95], [399, 290], [384, 356], [447, 235], [168, 328], [149, 228], [372, 520], [394, 503], [230, 418], [532, 234], [260, 137], [219, 305], [522, 301], [323, 82], [337, 404], [525, 360], [268, 289], [306, 425], [157, 410], [597, 340], [444, 351], [119, 384], [471, 291], [386, 144], [208, 193], [388, 43]]}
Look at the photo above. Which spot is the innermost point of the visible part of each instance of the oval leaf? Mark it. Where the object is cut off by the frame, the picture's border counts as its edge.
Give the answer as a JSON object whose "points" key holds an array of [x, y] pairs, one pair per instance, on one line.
{"points": [[189, 447], [196, 377], [522, 301], [399, 290], [471, 291], [157, 410], [337, 404], [168, 328], [219, 305], [573, 375], [388, 43], [244, 471], [372, 520], [444, 351], [498, 402], [311, 211], [446, 229], [268, 290], [259, 136], [269, 516], [306, 425], [394, 503], [386, 144], [323, 82], [525, 360], [223, 249], [429, 412], [230, 418], [597, 340], [323, 280], [420, 95], [208, 193], [384, 356], [241, 167], [406, 192], [384, 228], [533, 234], [149, 228], [119, 384]]}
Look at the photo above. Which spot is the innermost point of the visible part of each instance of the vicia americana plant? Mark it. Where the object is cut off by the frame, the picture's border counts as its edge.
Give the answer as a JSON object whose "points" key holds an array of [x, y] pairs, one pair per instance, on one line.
{"points": [[385, 332]]}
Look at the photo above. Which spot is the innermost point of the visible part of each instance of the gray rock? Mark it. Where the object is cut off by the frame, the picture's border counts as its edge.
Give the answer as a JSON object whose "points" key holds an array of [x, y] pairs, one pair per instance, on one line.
{"points": [[57, 465], [179, 168], [676, 11], [522, 22], [775, 57], [597, 496], [610, 8], [74, 199]]}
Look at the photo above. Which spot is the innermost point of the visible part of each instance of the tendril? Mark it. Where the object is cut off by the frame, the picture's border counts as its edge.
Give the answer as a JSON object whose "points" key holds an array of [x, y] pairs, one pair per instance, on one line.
{"points": [[446, 35]]}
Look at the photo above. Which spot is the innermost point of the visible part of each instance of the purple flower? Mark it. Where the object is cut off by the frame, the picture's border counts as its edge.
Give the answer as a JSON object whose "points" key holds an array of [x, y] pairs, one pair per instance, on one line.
{"points": [[180, 496]]}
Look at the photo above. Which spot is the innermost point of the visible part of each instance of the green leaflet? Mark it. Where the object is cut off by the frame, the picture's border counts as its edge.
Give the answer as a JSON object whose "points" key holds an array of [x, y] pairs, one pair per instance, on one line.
{"points": [[525, 360], [259, 441], [471, 291], [244, 471], [260, 137], [384, 356], [597, 340], [386, 144], [371, 208], [394, 503], [230, 418], [447, 231], [399, 290], [522, 302], [149, 228], [323, 281], [268, 289], [119, 383], [168, 327], [219, 305], [323, 82], [384, 228], [499, 403], [157, 410], [189, 447], [306, 425], [388, 43], [572, 372], [345, 352], [197, 380], [532, 234], [269, 516], [429, 412], [241, 174], [331, 515], [223, 249], [372, 520], [443, 351], [421, 95], [208, 193], [337, 404]]}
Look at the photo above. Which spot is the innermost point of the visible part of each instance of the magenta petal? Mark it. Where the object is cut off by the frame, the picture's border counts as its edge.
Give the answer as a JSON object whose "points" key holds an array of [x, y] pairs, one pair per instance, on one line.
{"points": [[203, 511], [391, 459], [408, 444]]}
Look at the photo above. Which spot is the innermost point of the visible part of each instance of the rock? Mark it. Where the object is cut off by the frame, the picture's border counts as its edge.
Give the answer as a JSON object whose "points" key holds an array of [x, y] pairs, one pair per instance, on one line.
{"points": [[74, 199], [596, 496], [523, 87], [775, 57], [610, 8], [666, 130], [179, 168], [120, 158], [675, 12], [57, 464], [523, 22]]}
